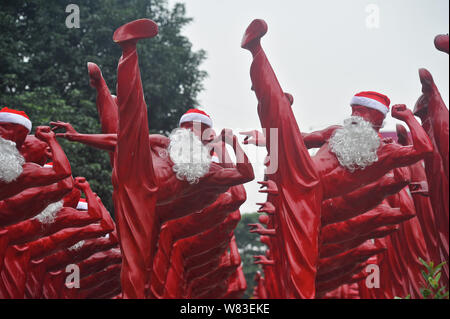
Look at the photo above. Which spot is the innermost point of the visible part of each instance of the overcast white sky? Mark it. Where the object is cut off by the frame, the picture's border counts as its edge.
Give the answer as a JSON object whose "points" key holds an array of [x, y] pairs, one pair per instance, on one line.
{"points": [[322, 52]]}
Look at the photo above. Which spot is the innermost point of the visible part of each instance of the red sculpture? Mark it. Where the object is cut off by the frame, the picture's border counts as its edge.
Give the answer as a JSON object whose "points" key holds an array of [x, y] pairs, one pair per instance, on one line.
{"points": [[327, 219], [431, 109], [303, 182], [152, 171]]}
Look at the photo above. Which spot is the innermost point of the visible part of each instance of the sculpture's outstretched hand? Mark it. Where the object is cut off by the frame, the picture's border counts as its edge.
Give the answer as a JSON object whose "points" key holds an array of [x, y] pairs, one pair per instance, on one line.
{"points": [[267, 208], [259, 229], [262, 260], [271, 187], [69, 130], [254, 137]]}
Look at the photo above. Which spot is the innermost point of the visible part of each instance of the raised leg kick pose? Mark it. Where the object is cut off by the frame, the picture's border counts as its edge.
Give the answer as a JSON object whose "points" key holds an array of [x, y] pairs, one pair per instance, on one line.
{"points": [[303, 182], [133, 175]]}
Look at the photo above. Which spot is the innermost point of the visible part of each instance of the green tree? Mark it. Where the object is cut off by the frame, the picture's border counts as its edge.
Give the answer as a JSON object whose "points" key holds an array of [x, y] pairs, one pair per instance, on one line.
{"points": [[249, 246], [43, 68]]}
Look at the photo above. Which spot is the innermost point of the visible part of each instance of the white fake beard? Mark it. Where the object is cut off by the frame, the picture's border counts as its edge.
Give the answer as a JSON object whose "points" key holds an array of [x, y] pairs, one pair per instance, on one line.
{"points": [[355, 144], [48, 215], [11, 161], [190, 157], [77, 246]]}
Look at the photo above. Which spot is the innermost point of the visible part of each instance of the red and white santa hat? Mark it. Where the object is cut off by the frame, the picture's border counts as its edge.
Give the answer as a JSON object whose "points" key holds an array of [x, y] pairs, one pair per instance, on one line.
{"points": [[48, 165], [196, 115], [16, 117], [373, 100], [82, 204]]}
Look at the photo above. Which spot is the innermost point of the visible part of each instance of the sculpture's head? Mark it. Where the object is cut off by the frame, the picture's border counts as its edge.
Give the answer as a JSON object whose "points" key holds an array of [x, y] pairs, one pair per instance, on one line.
{"points": [[36, 151], [188, 147], [199, 123], [371, 106], [14, 126], [356, 144], [263, 219], [265, 240]]}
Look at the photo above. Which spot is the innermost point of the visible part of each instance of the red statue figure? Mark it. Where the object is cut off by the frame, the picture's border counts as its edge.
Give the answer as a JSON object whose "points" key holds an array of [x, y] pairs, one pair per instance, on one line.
{"points": [[334, 171], [62, 258], [237, 285], [420, 193], [35, 150], [431, 109], [56, 217], [382, 215], [17, 175], [153, 173], [409, 240], [347, 206], [192, 225], [194, 252], [32, 201], [17, 257]]}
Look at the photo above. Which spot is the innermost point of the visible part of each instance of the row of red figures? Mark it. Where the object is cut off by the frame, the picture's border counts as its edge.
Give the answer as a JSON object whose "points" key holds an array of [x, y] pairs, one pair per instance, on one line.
{"points": [[354, 220]]}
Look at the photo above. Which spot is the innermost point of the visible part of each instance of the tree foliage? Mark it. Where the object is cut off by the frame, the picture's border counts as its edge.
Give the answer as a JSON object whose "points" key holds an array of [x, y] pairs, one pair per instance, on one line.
{"points": [[249, 246], [43, 68]]}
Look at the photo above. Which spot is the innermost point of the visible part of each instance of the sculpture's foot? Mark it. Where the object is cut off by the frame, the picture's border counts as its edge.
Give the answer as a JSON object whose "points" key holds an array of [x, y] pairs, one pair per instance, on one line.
{"points": [[135, 30], [95, 75], [252, 36], [441, 43]]}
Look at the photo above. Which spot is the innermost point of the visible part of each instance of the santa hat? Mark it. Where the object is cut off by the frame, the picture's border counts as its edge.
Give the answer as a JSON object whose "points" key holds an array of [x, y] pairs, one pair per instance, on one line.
{"points": [[195, 115], [16, 117], [372, 100], [82, 204], [49, 165], [215, 158]]}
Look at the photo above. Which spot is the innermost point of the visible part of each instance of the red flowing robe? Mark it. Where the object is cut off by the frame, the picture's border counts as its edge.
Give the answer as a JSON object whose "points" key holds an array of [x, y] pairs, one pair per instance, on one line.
{"points": [[436, 123], [300, 191], [133, 179]]}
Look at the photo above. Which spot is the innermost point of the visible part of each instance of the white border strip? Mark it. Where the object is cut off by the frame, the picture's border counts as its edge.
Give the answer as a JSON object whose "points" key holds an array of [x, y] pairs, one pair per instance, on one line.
{"points": [[370, 103], [6, 117], [196, 117]]}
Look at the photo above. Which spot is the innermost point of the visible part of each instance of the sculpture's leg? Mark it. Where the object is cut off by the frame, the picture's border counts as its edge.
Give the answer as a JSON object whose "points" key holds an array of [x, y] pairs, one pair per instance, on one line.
{"points": [[106, 104], [298, 214], [133, 175]]}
